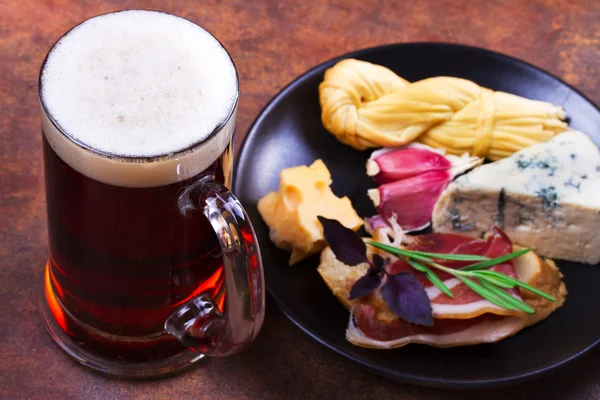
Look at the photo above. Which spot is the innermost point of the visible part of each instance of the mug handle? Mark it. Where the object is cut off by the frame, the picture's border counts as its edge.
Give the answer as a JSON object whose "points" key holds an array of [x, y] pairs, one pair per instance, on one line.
{"points": [[198, 323]]}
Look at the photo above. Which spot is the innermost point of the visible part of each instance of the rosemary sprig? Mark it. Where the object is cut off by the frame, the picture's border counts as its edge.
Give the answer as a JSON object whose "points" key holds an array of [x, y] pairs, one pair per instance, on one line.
{"points": [[509, 299], [517, 282], [494, 261], [426, 256], [495, 280], [455, 257], [433, 278], [488, 284], [485, 293]]}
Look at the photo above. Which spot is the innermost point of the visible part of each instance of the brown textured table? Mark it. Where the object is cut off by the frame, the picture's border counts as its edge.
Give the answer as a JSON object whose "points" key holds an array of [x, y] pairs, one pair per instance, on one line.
{"points": [[271, 43]]}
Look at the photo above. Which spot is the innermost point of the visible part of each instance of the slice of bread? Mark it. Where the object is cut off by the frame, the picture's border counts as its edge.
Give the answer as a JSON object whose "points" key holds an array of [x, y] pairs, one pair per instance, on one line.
{"points": [[529, 268]]}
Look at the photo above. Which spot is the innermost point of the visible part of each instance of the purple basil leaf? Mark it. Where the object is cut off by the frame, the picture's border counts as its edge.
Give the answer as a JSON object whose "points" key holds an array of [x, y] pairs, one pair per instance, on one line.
{"points": [[407, 298], [379, 262], [347, 246], [366, 284]]}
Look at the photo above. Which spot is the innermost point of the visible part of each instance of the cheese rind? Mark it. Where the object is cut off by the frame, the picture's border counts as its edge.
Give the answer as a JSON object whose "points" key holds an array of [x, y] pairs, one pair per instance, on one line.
{"points": [[291, 212], [546, 197]]}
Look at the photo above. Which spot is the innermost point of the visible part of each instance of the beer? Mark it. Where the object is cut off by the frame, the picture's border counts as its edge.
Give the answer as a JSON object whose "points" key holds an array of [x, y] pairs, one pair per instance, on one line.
{"points": [[136, 107]]}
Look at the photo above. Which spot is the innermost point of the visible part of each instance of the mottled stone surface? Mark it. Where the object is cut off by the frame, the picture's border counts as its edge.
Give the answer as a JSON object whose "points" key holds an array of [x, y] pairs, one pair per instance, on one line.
{"points": [[271, 42]]}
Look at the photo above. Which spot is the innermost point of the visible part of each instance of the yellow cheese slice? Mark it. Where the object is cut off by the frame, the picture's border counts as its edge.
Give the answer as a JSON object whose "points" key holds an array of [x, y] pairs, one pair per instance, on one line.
{"points": [[291, 212]]}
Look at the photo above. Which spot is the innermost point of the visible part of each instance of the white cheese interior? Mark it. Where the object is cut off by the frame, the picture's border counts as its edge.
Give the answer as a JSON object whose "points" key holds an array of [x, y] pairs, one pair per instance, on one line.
{"points": [[546, 196]]}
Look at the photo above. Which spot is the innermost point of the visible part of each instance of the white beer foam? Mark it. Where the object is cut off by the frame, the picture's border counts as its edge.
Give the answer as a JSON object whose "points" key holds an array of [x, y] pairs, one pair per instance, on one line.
{"points": [[138, 84]]}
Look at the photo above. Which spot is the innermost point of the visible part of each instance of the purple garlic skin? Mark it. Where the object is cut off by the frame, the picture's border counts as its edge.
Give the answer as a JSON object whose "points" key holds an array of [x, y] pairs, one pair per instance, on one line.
{"points": [[411, 180], [405, 163], [410, 200]]}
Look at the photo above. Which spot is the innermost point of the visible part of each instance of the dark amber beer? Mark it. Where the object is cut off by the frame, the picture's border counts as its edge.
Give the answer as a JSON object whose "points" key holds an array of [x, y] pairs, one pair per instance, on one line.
{"points": [[138, 114], [122, 258]]}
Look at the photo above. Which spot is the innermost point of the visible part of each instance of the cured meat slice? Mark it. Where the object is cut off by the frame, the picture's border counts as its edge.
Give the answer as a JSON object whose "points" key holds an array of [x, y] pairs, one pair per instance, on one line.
{"points": [[373, 324], [465, 303], [365, 329]]}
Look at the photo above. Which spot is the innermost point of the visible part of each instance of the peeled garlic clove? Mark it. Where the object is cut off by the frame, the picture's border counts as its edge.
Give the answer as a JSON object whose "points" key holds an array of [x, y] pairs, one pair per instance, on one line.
{"points": [[410, 200], [404, 163]]}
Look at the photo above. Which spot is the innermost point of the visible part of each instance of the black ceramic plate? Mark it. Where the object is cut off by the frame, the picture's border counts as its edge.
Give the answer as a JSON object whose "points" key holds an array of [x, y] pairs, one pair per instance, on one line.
{"points": [[289, 132]]}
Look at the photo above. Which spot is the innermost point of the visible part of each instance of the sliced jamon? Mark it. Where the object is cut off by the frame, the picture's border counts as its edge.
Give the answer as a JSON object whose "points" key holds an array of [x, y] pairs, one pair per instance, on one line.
{"points": [[466, 303], [463, 320], [367, 330]]}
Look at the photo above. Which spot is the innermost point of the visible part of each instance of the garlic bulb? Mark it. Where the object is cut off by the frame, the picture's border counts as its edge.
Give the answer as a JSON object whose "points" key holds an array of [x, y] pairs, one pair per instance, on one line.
{"points": [[411, 180]]}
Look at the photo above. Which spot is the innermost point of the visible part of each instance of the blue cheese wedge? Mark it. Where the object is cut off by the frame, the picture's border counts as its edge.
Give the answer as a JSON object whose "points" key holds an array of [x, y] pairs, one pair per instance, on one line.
{"points": [[546, 197]]}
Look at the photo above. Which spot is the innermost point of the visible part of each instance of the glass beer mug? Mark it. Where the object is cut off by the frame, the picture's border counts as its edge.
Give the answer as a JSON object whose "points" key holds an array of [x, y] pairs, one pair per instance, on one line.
{"points": [[153, 261]]}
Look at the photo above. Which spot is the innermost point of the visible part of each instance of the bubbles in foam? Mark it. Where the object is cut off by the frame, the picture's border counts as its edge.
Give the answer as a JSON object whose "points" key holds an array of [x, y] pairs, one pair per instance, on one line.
{"points": [[138, 84]]}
